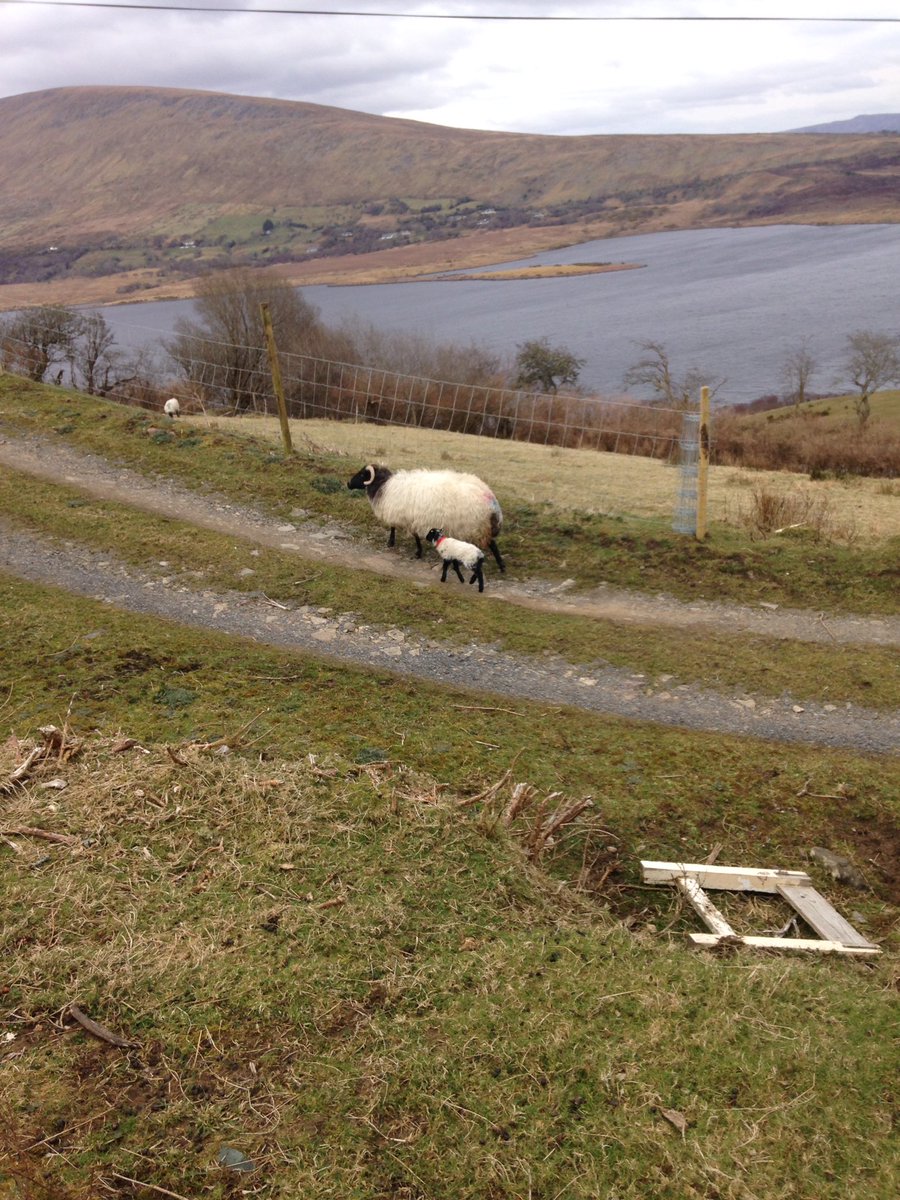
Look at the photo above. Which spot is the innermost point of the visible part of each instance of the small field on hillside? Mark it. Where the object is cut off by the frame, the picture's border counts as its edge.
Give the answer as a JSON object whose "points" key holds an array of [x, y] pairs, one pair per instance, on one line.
{"points": [[822, 438], [591, 481]]}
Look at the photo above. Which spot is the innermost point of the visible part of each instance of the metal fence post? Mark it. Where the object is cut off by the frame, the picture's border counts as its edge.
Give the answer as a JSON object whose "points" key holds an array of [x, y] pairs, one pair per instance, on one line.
{"points": [[703, 464]]}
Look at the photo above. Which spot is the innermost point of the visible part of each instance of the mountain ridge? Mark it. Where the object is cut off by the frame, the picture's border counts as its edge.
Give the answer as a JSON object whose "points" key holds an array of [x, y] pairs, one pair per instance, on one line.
{"points": [[118, 179], [863, 123]]}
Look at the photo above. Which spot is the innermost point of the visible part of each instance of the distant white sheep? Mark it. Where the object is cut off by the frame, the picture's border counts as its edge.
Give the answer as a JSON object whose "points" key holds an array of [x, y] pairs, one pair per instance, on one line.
{"points": [[171, 407], [463, 506], [456, 554]]}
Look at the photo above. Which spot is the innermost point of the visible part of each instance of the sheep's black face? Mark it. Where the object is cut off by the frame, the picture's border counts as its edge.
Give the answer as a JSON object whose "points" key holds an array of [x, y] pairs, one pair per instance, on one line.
{"points": [[361, 479], [433, 536]]}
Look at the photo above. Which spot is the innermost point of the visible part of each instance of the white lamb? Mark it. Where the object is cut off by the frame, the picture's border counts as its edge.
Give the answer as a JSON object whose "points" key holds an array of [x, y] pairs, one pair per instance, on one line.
{"points": [[171, 407], [420, 500], [456, 554]]}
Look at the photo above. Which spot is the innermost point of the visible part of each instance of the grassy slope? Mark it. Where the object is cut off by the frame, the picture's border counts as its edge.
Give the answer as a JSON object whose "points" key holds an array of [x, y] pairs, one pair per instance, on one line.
{"points": [[367, 989], [836, 412], [539, 539], [333, 968], [114, 151]]}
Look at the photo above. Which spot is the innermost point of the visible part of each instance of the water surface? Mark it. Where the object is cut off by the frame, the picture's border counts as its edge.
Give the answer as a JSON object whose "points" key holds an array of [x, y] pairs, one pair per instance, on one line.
{"points": [[731, 302]]}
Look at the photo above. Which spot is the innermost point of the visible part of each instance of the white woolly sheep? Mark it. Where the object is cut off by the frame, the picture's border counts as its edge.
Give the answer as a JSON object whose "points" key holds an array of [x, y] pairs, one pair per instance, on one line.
{"points": [[456, 554], [462, 505], [171, 407]]}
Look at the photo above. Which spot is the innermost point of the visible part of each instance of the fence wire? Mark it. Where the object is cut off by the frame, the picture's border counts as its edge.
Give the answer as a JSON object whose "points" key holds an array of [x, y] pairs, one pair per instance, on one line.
{"points": [[230, 378]]}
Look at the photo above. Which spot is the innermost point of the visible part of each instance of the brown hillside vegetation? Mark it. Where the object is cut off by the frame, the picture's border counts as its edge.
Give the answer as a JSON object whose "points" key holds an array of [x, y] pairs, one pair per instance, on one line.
{"points": [[121, 166]]}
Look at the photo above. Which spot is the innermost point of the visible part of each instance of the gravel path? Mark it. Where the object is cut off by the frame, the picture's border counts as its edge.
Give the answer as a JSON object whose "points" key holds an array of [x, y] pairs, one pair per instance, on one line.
{"points": [[547, 679], [62, 463]]}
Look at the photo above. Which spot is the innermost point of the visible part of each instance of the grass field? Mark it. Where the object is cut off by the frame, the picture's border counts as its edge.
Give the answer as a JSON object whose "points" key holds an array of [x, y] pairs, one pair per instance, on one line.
{"points": [[340, 965], [329, 958], [589, 481]]}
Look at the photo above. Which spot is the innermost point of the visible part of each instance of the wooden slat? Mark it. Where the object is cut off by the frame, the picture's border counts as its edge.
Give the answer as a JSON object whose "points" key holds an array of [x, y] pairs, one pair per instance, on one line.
{"points": [[732, 879], [778, 943], [704, 906], [820, 916]]}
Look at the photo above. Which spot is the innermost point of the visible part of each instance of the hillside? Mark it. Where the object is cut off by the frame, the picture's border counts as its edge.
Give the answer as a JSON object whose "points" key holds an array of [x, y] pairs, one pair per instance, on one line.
{"points": [[284, 922], [131, 179]]}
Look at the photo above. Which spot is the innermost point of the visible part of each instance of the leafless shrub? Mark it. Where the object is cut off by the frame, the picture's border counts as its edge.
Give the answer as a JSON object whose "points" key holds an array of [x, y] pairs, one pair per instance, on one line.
{"points": [[770, 512]]}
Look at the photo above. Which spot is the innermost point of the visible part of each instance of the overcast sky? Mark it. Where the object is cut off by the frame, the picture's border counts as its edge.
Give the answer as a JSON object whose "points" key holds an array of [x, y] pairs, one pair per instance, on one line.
{"points": [[526, 76]]}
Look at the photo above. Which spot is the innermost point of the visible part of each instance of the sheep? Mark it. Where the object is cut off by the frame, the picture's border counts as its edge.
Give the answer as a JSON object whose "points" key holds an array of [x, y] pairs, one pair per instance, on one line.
{"points": [[171, 407], [455, 554], [421, 500]]}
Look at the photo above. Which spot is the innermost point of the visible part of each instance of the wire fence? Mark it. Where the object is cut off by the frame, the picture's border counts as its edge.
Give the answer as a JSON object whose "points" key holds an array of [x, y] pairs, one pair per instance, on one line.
{"points": [[343, 391], [228, 378]]}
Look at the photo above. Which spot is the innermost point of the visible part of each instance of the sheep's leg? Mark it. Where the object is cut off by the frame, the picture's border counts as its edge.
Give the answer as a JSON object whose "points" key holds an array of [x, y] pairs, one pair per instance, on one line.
{"points": [[459, 574], [445, 570], [479, 575], [392, 537], [418, 545], [492, 546]]}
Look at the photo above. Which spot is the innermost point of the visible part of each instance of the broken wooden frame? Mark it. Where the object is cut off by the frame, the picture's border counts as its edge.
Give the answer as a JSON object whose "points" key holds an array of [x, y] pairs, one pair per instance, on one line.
{"points": [[836, 936]]}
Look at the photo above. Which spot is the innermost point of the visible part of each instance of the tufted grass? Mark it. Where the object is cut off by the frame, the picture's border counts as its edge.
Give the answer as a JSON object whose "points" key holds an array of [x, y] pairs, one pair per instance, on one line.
{"points": [[345, 968]]}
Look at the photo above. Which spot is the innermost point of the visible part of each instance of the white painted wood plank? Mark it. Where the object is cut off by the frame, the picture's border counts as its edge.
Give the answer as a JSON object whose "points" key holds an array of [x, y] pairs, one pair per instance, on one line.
{"points": [[734, 879], [777, 943], [821, 916], [704, 906]]}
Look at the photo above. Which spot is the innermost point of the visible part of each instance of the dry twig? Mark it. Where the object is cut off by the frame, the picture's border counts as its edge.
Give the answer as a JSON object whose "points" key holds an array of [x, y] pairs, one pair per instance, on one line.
{"points": [[97, 1030], [545, 830], [65, 839], [488, 794], [150, 1186]]}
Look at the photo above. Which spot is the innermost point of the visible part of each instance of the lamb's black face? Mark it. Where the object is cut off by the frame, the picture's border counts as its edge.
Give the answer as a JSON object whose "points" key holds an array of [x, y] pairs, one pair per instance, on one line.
{"points": [[433, 536], [362, 478]]}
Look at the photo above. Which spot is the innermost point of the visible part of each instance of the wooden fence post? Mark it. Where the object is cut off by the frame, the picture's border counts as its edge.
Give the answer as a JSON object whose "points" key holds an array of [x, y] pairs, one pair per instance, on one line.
{"points": [[276, 377], [703, 464]]}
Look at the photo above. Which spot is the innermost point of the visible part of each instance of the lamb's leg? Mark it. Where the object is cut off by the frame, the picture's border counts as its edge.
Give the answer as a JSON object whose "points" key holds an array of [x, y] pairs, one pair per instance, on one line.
{"points": [[459, 575], [392, 537], [492, 545], [445, 570], [418, 545], [479, 575]]}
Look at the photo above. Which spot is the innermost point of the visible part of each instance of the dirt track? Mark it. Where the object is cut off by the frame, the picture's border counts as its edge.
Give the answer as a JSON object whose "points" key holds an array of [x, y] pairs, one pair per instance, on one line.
{"points": [[547, 680]]}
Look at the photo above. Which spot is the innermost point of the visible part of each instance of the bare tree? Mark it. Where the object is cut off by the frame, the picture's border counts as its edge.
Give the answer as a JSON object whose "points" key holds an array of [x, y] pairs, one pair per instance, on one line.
{"points": [[873, 361], [653, 370], [224, 353], [797, 369], [40, 338], [96, 367]]}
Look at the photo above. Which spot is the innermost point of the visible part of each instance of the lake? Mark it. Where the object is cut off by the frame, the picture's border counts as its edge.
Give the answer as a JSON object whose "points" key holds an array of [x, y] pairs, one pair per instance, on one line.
{"points": [[732, 302]]}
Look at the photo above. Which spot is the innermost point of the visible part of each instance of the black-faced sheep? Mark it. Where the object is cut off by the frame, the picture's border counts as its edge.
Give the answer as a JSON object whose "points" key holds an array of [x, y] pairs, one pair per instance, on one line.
{"points": [[171, 407], [462, 505], [456, 554]]}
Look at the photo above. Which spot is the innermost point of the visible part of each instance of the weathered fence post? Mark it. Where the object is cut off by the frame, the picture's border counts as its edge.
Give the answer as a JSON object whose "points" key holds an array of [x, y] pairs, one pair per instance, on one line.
{"points": [[275, 367]]}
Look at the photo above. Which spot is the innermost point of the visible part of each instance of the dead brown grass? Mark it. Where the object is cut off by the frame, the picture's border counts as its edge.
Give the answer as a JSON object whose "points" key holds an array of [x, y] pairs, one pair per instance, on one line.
{"points": [[595, 481], [831, 443]]}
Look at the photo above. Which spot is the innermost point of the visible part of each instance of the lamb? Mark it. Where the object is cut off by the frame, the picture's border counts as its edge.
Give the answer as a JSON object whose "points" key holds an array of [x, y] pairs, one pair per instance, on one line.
{"points": [[455, 554], [421, 500], [171, 407]]}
